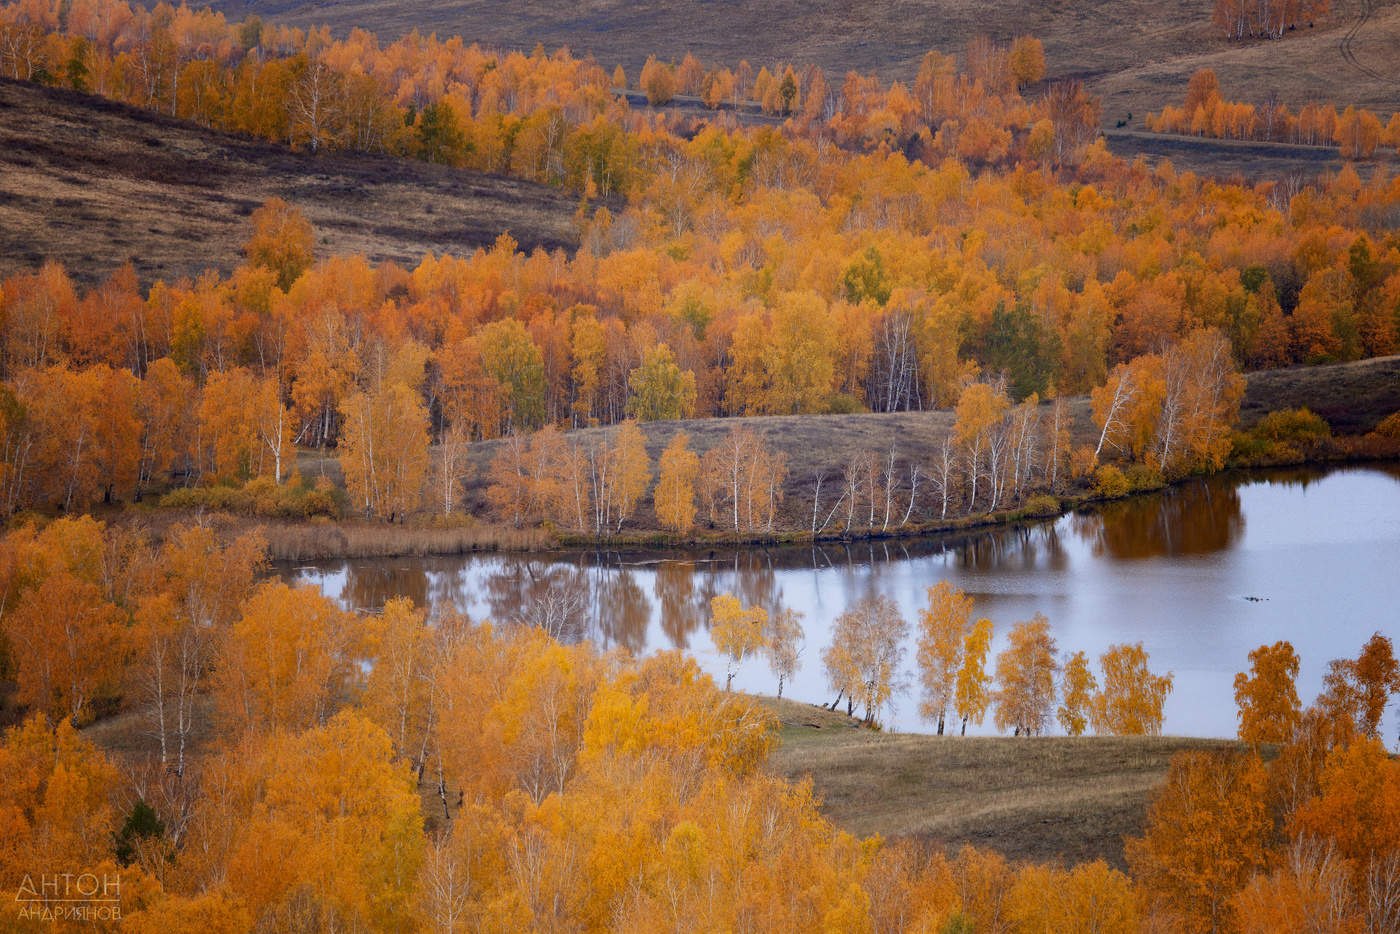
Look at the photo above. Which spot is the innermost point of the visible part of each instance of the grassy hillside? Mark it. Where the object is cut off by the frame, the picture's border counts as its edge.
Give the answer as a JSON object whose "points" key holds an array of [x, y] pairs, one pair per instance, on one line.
{"points": [[1044, 799], [93, 184], [1136, 54], [1353, 397]]}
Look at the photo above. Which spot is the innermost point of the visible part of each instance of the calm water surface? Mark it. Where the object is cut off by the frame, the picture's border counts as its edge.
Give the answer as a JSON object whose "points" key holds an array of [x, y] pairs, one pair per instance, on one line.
{"points": [[1200, 574]]}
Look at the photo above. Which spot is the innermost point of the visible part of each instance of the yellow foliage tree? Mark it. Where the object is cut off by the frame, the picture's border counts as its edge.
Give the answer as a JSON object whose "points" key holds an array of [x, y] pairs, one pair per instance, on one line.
{"points": [[1269, 710], [286, 663], [344, 822], [1077, 695], [384, 450], [972, 693], [675, 487], [1207, 835], [736, 632], [943, 626], [1026, 674], [281, 240], [1129, 702]]}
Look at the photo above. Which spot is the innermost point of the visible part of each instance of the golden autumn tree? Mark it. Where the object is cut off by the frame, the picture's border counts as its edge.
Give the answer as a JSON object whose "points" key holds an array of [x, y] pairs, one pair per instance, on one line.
{"points": [[1309, 889], [199, 585], [67, 638], [1026, 671], [80, 435], [865, 652], [943, 626], [782, 644], [736, 631], [1207, 833], [281, 240], [1357, 691], [743, 481], [675, 485], [1201, 401], [384, 441], [245, 427], [398, 691], [524, 479], [657, 81], [167, 415], [342, 817], [659, 389], [1269, 709], [980, 410], [1076, 695], [1356, 805], [1088, 897], [1026, 60], [69, 641], [1130, 697], [785, 358], [286, 663], [622, 473], [57, 804], [972, 692]]}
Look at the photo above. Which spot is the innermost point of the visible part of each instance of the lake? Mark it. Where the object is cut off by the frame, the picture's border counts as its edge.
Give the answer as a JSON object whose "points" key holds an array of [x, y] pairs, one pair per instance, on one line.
{"points": [[1201, 574]]}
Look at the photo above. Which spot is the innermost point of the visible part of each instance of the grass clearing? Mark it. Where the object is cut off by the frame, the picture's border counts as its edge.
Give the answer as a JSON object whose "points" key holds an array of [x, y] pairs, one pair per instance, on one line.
{"points": [[1042, 799]]}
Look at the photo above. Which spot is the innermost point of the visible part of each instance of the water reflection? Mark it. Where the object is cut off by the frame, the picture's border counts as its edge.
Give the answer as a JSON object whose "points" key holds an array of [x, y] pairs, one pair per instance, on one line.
{"points": [[1196, 518], [1019, 549], [1318, 549], [369, 584], [677, 594]]}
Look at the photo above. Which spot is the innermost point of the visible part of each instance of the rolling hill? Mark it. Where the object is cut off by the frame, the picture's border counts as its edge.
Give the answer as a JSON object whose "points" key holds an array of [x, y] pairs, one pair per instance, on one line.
{"points": [[1136, 54], [93, 184]]}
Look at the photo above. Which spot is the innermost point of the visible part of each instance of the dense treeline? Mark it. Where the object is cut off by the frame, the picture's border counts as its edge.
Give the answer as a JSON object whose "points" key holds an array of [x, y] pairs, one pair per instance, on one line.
{"points": [[1269, 19], [462, 776], [111, 393], [801, 269], [1205, 112], [551, 118]]}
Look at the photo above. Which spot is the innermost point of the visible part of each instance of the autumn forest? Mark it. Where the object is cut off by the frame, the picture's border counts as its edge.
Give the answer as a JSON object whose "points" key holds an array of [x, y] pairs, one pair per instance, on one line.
{"points": [[798, 307]]}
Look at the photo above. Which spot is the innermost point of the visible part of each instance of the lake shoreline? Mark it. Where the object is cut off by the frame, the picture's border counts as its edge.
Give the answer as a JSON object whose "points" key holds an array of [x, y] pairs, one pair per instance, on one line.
{"points": [[291, 542], [1200, 574]]}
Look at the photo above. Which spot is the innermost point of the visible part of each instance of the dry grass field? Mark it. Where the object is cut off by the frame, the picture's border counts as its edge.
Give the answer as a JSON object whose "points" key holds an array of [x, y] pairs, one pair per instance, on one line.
{"points": [[1353, 397], [94, 184], [1042, 799], [1136, 54]]}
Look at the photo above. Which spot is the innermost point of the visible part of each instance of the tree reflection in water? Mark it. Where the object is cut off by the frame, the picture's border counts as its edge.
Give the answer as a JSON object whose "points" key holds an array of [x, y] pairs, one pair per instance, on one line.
{"points": [[676, 592], [621, 610], [1200, 517], [554, 597], [1023, 548], [369, 584]]}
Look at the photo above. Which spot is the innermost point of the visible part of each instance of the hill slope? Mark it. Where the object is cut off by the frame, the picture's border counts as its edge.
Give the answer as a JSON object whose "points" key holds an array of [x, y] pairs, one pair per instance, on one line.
{"points": [[92, 184], [1135, 53]]}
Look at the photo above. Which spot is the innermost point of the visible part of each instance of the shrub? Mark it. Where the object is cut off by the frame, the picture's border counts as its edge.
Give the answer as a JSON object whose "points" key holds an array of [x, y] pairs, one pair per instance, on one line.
{"points": [[1142, 478], [1389, 427], [263, 498], [1110, 483], [1041, 505], [1287, 436], [843, 403]]}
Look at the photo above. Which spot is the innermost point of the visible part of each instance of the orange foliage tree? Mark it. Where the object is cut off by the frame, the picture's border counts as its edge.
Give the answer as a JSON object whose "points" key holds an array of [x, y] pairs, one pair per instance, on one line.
{"points": [[1269, 709]]}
